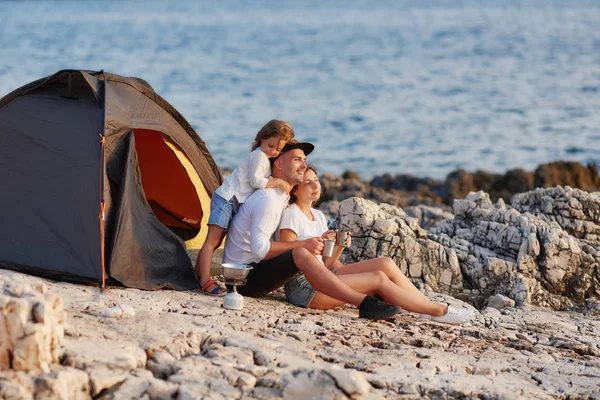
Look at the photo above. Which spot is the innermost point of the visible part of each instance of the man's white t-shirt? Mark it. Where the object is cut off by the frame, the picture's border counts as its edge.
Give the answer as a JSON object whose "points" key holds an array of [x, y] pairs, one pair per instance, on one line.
{"points": [[295, 220], [250, 231], [252, 174]]}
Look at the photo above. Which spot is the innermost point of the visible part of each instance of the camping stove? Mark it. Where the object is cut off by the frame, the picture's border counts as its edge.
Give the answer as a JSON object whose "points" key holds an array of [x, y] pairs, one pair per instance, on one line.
{"points": [[235, 275]]}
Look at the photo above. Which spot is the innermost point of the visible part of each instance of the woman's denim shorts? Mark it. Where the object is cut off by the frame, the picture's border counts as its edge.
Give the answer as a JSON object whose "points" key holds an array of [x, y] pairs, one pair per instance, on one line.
{"points": [[222, 211], [298, 291]]}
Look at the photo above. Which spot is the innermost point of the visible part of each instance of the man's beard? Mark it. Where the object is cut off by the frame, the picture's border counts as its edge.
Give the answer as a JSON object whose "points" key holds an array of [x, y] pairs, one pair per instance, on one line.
{"points": [[300, 178]]}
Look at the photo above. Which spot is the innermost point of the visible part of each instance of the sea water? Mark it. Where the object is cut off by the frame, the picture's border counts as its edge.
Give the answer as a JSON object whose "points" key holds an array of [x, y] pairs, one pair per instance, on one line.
{"points": [[409, 87]]}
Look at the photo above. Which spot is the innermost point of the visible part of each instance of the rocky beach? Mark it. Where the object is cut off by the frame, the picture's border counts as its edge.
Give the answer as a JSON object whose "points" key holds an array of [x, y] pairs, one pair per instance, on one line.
{"points": [[523, 253]]}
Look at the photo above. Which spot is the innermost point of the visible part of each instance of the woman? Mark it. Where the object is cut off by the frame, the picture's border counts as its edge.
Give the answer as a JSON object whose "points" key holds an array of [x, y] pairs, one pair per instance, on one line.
{"points": [[379, 276]]}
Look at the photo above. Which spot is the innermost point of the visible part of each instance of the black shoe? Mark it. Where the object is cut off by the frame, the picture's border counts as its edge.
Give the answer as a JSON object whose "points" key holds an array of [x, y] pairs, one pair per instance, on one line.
{"points": [[378, 297], [374, 309]]}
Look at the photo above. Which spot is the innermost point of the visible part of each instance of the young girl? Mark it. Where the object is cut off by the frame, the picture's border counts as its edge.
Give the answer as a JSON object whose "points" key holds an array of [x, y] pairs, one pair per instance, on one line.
{"points": [[253, 173], [380, 276]]}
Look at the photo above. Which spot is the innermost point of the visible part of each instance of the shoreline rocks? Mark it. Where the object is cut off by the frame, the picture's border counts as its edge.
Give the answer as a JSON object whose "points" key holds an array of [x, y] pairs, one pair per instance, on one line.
{"points": [[528, 256], [484, 249], [406, 190]]}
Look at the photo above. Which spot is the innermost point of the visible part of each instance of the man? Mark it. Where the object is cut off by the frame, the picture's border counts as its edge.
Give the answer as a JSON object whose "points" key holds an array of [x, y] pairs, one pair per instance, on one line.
{"points": [[274, 263]]}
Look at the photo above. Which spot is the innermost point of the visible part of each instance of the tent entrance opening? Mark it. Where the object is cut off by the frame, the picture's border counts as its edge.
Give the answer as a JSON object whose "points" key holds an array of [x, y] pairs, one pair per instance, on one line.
{"points": [[167, 185]]}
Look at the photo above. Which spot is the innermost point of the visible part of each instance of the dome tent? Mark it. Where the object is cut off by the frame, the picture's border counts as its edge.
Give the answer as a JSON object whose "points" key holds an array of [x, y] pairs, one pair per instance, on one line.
{"points": [[101, 178]]}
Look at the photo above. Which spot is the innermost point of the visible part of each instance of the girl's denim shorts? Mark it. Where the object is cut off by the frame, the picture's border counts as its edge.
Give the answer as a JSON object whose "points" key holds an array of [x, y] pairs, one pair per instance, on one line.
{"points": [[222, 211]]}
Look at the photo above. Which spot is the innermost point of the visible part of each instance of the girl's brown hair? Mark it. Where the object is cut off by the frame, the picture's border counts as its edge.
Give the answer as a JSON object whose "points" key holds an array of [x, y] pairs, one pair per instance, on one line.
{"points": [[293, 197], [272, 128]]}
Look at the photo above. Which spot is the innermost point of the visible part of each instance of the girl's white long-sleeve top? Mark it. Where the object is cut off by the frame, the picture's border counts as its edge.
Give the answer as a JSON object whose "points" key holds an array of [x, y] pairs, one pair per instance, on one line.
{"points": [[252, 174]]}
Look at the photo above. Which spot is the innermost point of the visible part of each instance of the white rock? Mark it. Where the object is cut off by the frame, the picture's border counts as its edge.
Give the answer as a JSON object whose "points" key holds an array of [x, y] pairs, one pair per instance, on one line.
{"points": [[352, 382], [31, 327], [87, 353], [500, 302], [63, 383], [102, 377], [162, 364], [385, 226], [159, 390], [311, 384], [133, 387], [14, 386], [119, 311]]}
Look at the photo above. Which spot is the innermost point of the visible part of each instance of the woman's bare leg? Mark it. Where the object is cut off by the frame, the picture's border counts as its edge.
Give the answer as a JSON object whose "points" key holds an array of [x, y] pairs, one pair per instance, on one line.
{"points": [[363, 283], [377, 282], [385, 265], [214, 238], [323, 280]]}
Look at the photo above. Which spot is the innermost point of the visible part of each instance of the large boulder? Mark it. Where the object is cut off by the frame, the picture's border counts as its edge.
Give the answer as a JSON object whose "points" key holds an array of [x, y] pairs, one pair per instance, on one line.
{"points": [[31, 327], [529, 258], [576, 211], [386, 231], [428, 216]]}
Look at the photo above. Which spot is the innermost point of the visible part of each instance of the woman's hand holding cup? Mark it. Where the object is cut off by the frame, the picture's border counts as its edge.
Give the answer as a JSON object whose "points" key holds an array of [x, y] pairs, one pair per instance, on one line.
{"points": [[343, 239]]}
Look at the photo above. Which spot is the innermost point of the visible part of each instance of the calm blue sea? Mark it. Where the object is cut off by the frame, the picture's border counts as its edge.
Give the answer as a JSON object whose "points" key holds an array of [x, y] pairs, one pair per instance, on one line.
{"points": [[379, 86]]}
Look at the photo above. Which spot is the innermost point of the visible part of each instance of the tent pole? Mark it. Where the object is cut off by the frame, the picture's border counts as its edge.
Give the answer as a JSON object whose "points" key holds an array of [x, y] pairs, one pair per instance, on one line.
{"points": [[101, 217]]}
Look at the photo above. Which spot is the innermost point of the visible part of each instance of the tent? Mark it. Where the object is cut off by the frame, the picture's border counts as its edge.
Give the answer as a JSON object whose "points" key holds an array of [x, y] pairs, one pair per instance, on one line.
{"points": [[101, 178]]}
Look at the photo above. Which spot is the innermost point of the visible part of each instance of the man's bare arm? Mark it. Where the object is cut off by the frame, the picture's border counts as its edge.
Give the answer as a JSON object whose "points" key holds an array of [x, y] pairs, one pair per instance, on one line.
{"points": [[313, 245]]}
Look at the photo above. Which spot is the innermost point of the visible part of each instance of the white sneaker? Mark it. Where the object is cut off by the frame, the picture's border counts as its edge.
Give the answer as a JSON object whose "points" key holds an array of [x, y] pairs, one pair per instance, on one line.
{"points": [[453, 316]]}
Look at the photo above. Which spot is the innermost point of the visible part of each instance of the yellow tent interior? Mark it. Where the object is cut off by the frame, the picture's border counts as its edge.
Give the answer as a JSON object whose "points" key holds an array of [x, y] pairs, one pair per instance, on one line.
{"points": [[172, 187]]}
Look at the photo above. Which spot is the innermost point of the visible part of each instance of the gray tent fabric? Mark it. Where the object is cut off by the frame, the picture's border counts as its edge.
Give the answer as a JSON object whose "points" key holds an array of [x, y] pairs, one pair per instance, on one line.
{"points": [[52, 169], [50, 184], [161, 248]]}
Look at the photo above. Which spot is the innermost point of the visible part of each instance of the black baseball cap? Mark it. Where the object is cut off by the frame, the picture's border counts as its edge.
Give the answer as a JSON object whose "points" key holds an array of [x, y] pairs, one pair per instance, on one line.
{"points": [[306, 147]]}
